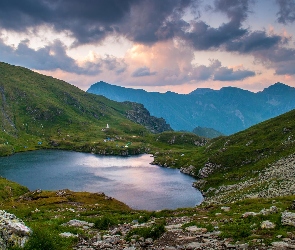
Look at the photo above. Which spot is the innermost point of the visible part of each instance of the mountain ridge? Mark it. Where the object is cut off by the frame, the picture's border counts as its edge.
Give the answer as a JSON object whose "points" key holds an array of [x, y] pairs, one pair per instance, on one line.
{"points": [[227, 110]]}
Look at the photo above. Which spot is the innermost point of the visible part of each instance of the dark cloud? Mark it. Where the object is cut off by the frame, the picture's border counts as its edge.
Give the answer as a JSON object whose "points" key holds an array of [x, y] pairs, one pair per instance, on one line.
{"points": [[280, 59], [54, 56], [227, 74], [286, 13], [144, 71], [236, 10], [217, 72], [251, 42], [204, 37], [153, 20], [145, 21]]}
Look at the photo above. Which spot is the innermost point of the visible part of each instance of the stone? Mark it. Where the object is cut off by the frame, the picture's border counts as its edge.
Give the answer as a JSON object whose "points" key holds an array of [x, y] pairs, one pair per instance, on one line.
{"points": [[243, 246], [280, 245], [225, 209], [271, 210], [68, 235], [13, 231], [195, 229], [149, 241], [194, 245], [247, 214], [267, 225], [78, 223], [288, 218]]}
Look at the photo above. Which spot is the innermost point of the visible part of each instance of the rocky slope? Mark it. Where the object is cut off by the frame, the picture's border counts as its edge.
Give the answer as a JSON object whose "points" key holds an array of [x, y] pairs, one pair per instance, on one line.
{"points": [[273, 181]]}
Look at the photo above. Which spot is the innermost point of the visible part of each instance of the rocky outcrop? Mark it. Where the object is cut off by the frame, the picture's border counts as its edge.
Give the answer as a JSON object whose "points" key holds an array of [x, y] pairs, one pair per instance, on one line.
{"points": [[141, 115], [190, 170], [13, 231], [208, 169]]}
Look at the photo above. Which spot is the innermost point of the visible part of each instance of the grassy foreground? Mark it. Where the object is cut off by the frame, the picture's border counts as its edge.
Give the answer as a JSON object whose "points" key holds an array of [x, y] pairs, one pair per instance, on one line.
{"points": [[46, 212]]}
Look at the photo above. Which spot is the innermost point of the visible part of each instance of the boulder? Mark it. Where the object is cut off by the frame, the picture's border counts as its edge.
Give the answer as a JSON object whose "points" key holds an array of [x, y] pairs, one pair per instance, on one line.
{"points": [[78, 223], [225, 209], [288, 218], [13, 231], [267, 224], [247, 214]]}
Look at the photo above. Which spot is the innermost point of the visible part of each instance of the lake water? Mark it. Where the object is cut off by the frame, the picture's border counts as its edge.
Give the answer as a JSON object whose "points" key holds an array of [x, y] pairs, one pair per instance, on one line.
{"points": [[131, 180]]}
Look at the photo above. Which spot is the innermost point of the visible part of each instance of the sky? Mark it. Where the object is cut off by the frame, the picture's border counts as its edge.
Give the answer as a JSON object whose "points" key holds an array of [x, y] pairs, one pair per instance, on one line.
{"points": [[156, 45]]}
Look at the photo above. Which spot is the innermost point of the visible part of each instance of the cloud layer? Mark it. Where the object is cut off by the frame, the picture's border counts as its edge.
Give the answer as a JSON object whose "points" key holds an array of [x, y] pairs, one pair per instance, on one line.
{"points": [[165, 35]]}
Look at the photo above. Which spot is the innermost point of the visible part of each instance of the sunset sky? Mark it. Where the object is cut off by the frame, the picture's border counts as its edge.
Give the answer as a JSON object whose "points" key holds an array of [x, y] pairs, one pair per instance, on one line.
{"points": [[157, 45]]}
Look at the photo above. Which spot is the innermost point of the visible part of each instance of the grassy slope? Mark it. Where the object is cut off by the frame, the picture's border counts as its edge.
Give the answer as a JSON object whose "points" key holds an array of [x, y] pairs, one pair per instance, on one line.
{"points": [[36, 108]]}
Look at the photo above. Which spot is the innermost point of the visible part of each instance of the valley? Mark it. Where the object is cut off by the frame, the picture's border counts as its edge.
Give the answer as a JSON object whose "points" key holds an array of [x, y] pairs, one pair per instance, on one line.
{"points": [[248, 171]]}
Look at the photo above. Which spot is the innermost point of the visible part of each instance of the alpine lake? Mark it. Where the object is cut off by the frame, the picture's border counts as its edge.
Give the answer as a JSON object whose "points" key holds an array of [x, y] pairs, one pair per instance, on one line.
{"points": [[132, 180]]}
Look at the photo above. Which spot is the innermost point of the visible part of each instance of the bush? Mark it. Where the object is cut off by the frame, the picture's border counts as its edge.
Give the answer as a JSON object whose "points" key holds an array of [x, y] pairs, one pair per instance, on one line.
{"points": [[154, 231], [42, 239], [104, 223]]}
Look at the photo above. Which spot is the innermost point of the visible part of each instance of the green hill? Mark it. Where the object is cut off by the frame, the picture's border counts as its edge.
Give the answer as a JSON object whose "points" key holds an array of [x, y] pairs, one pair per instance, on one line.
{"points": [[247, 156], [38, 111]]}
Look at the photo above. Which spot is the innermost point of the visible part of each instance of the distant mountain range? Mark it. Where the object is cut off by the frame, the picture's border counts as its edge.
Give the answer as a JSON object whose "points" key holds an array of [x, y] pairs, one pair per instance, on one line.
{"points": [[227, 110]]}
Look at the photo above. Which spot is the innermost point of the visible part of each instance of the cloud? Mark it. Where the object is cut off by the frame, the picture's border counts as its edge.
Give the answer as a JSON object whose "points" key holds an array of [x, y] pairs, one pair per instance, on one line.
{"points": [[286, 13], [172, 64], [114, 64], [252, 42], [145, 21], [228, 74], [54, 56], [280, 59], [144, 71], [236, 10], [204, 37]]}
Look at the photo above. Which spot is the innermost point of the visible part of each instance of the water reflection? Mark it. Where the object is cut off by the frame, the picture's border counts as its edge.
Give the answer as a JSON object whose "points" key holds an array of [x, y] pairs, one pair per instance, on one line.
{"points": [[129, 179]]}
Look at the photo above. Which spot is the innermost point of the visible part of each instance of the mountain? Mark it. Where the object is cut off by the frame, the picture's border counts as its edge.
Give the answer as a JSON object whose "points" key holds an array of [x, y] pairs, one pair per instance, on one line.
{"points": [[227, 110], [206, 132], [38, 111]]}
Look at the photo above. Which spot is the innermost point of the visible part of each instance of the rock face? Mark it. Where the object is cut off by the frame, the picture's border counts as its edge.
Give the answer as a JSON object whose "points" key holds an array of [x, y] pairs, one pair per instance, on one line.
{"points": [[13, 231], [141, 115]]}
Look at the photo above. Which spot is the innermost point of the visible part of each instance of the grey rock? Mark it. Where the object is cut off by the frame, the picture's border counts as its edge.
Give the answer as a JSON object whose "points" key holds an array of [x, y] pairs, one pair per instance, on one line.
{"points": [[13, 231], [194, 245], [280, 245], [267, 225], [288, 218], [78, 223], [225, 209], [68, 235]]}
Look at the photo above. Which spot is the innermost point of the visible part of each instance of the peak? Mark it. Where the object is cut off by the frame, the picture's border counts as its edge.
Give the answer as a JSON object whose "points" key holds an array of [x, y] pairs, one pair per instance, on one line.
{"points": [[277, 87], [201, 91]]}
